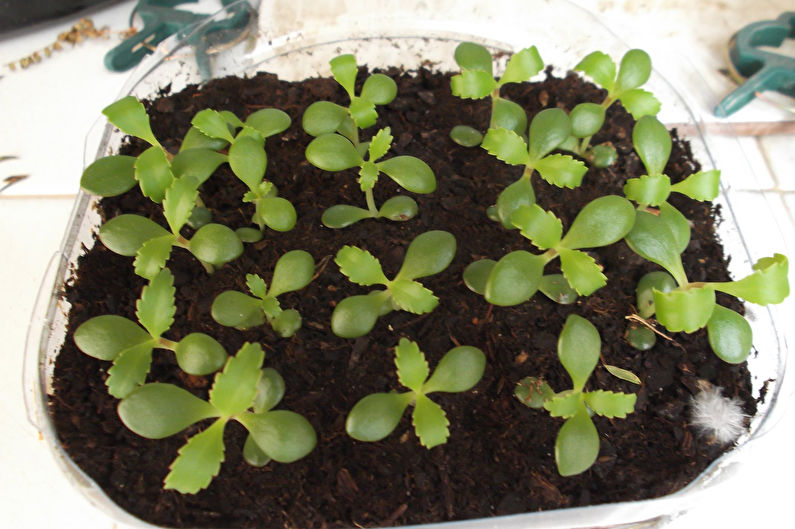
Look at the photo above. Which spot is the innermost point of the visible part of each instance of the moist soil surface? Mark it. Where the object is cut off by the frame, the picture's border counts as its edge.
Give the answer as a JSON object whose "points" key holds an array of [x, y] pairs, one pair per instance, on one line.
{"points": [[499, 457]]}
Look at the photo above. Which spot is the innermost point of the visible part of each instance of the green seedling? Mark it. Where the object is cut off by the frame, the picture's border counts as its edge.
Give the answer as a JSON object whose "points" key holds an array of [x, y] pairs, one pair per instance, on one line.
{"points": [[476, 81], [325, 117], [377, 415], [624, 86], [332, 152], [518, 275], [586, 120], [577, 443], [247, 158], [133, 235], [428, 254], [692, 306], [548, 129], [293, 271], [155, 169], [242, 392], [129, 344], [638, 335]]}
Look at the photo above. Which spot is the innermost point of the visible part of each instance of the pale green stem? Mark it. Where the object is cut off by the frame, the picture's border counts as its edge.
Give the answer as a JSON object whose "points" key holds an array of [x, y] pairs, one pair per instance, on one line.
{"points": [[165, 343], [584, 145], [368, 195]]}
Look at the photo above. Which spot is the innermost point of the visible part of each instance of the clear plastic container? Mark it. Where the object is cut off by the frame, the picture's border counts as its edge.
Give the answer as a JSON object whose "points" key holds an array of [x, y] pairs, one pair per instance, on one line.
{"points": [[295, 40]]}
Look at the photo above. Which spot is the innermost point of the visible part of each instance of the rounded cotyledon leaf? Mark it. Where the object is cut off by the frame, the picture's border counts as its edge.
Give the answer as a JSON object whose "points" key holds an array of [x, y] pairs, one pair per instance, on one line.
{"points": [[376, 415], [323, 117], [129, 115], [458, 370], [293, 271], [216, 244], [652, 142], [579, 347], [577, 444], [600, 222], [104, 337], [428, 254], [159, 410], [332, 152], [109, 176], [200, 354], [730, 335], [284, 436], [355, 316], [235, 309], [514, 278]]}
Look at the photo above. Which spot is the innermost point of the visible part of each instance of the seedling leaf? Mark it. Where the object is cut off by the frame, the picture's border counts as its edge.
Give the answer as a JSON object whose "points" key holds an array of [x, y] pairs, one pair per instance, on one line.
{"points": [[685, 309], [129, 369], [196, 139], [768, 284], [199, 460], [611, 404], [152, 256], [257, 286], [533, 392], [730, 335], [235, 387], [212, 124], [200, 354], [235, 309], [104, 337], [253, 454], [216, 244], [160, 410], [155, 309], [652, 239], [360, 266], [428, 254], [323, 117], [376, 415], [703, 185], [284, 436], [557, 288], [640, 102], [542, 227], [506, 145], [648, 190], [579, 346], [153, 173], [293, 271], [380, 144], [635, 70], [508, 115], [286, 323], [471, 56], [199, 164], [126, 233], [363, 112], [472, 84], [477, 274], [412, 368], [600, 222], [344, 70], [581, 271], [577, 444], [129, 115], [270, 390], [430, 422], [561, 170], [399, 208], [109, 176], [268, 121], [355, 316], [343, 215], [466, 136], [410, 173], [522, 65], [248, 160], [412, 296], [652, 142], [586, 119], [658, 280], [379, 88], [178, 203], [599, 67], [514, 279], [459, 370], [548, 129], [332, 152], [564, 404], [277, 213], [519, 193]]}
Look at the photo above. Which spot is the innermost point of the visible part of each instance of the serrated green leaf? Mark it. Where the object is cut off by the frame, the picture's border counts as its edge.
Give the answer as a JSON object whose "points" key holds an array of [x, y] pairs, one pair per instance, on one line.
{"points": [[644, 291], [428, 253], [344, 70], [212, 124], [155, 308], [648, 190], [129, 369], [368, 176], [506, 145], [343, 215], [623, 374], [430, 422], [156, 411], [231, 118], [652, 239], [129, 115], [768, 284], [109, 176], [472, 56], [472, 84], [634, 70], [380, 144], [599, 67], [579, 346], [685, 310], [477, 274], [548, 129], [270, 390], [196, 139], [412, 368], [557, 288], [703, 185], [610, 404], [235, 387], [179, 201], [104, 337], [460, 369], [257, 286], [639, 103], [323, 117], [577, 444], [284, 436], [235, 309], [586, 119], [363, 112], [516, 195], [652, 142], [268, 121], [514, 279], [293, 271], [412, 296], [360, 266], [248, 160], [126, 233], [730, 335], [522, 65], [215, 244], [410, 173], [543, 228], [198, 462], [600, 222], [153, 173], [533, 392], [153, 255], [561, 170], [564, 404], [200, 354], [376, 415], [379, 89], [332, 152], [508, 115], [581, 271], [399, 208], [355, 316]]}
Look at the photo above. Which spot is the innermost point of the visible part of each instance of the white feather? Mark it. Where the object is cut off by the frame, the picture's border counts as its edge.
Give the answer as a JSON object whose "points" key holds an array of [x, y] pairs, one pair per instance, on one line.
{"points": [[717, 416]]}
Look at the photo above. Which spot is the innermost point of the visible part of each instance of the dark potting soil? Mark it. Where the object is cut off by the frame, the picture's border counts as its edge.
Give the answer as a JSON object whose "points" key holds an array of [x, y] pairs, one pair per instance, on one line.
{"points": [[499, 457]]}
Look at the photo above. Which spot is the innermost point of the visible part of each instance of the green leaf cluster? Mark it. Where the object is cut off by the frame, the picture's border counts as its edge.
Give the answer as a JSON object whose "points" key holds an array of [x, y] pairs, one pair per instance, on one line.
{"points": [[623, 85], [428, 254], [333, 152], [129, 345], [243, 392], [577, 443], [548, 130], [377, 415], [519, 274], [293, 271]]}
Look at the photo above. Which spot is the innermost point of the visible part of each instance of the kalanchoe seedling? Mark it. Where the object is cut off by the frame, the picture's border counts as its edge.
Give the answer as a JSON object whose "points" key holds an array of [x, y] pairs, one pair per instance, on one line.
{"points": [[248, 160], [518, 275], [293, 271], [577, 443], [129, 344], [548, 129], [586, 120], [324, 117], [640, 336], [692, 306], [624, 86], [428, 254], [476, 81], [332, 152], [242, 392], [377, 415], [151, 244]]}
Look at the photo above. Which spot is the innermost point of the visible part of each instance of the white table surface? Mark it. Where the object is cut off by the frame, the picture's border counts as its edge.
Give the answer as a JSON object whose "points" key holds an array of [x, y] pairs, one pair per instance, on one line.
{"points": [[52, 105]]}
